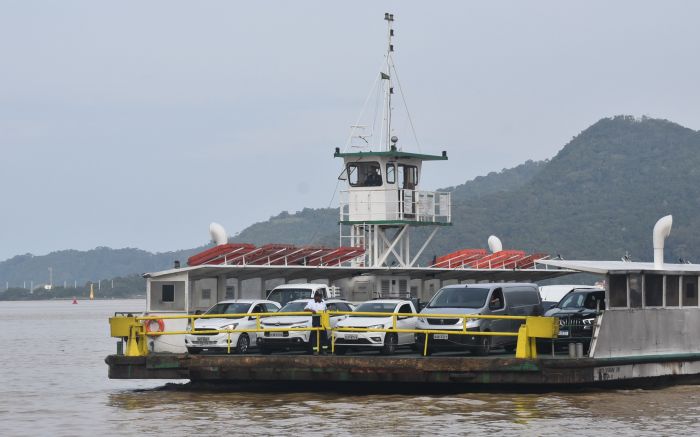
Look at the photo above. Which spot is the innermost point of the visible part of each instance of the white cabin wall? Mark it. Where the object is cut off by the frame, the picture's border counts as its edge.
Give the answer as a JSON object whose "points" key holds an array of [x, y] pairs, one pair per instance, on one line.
{"points": [[197, 299], [156, 303]]}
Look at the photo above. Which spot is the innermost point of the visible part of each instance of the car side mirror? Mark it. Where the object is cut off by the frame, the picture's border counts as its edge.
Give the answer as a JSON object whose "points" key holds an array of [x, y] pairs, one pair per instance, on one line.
{"points": [[251, 318]]}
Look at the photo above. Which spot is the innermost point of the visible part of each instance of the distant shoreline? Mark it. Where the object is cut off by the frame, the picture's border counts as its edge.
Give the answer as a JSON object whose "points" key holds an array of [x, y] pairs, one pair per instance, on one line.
{"points": [[79, 299]]}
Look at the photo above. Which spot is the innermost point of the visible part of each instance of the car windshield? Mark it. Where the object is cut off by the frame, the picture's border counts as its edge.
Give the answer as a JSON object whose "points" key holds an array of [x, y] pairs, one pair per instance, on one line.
{"points": [[229, 308], [374, 307], [286, 295], [467, 297], [582, 299], [293, 307], [573, 300]]}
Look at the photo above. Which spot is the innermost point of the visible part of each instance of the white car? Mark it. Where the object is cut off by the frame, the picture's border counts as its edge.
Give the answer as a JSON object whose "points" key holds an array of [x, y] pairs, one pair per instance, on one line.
{"points": [[383, 341], [299, 340], [240, 341]]}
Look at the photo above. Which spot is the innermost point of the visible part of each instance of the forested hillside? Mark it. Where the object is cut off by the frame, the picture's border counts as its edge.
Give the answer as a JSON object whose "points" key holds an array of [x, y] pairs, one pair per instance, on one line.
{"points": [[598, 197]]}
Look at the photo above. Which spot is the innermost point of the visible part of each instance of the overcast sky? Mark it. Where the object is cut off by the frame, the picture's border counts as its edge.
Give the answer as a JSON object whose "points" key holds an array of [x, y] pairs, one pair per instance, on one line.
{"points": [[136, 124]]}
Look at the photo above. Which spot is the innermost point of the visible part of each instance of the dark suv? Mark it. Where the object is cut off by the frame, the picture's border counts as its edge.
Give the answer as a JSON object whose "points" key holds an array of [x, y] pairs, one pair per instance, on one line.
{"points": [[577, 312]]}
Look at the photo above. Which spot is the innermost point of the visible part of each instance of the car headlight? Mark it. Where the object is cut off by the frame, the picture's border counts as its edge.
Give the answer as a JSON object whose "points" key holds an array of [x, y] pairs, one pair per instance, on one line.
{"points": [[376, 327], [301, 325], [589, 321], [472, 322], [422, 320], [231, 326]]}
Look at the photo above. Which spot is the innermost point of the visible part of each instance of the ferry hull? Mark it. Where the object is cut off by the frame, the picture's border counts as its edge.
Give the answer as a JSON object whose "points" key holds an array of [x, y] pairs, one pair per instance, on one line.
{"points": [[394, 373]]}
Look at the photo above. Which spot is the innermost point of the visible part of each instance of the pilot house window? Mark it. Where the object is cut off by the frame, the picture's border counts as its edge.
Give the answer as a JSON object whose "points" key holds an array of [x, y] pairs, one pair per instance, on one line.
{"points": [[364, 174], [408, 177], [390, 173]]}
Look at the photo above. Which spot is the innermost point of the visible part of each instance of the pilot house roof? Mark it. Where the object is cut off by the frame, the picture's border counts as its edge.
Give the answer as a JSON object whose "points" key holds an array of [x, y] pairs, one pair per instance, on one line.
{"points": [[396, 154]]}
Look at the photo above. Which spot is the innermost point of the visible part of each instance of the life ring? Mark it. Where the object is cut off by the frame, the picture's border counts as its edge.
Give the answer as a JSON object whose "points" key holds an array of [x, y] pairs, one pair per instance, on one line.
{"points": [[160, 322]]}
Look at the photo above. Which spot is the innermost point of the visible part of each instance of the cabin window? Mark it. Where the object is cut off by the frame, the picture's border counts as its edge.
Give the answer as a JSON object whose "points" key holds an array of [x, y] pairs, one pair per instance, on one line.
{"points": [[635, 289], [408, 177], [168, 291], [364, 174], [690, 291], [390, 173], [206, 294], [618, 291], [653, 290], [672, 291]]}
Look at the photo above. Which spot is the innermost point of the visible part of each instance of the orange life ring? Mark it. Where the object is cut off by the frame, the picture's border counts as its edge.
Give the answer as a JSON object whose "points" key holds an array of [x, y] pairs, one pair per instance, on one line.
{"points": [[161, 325]]}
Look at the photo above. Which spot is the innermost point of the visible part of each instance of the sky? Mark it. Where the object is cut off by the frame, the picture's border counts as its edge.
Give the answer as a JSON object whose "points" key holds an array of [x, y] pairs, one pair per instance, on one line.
{"points": [[136, 124]]}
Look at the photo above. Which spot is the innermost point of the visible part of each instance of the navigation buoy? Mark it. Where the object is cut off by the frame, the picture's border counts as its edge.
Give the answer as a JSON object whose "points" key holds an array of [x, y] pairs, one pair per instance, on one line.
{"points": [[75, 300]]}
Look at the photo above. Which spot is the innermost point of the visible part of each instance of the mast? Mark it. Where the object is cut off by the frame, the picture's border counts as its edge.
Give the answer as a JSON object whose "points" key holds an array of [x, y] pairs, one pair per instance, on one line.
{"points": [[386, 75]]}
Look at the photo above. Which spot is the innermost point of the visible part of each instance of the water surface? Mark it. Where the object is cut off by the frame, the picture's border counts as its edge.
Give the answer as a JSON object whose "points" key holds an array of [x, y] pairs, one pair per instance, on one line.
{"points": [[53, 381]]}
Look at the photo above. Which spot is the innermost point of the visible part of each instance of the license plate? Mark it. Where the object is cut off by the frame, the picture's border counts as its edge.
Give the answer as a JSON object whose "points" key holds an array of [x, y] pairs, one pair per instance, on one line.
{"points": [[276, 334], [351, 336], [203, 340], [440, 336], [563, 333]]}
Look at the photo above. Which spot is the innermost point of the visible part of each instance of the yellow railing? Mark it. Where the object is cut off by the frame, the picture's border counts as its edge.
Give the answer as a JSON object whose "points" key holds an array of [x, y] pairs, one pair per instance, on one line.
{"points": [[132, 328]]}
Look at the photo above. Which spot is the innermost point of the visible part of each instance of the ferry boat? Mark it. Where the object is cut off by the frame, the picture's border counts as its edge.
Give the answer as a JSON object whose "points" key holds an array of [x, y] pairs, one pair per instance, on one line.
{"points": [[644, 335]]}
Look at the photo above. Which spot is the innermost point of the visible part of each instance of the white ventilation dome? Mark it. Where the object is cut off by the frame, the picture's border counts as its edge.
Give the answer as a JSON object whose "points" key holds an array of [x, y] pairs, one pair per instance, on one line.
{"points": [[218, 234], [662, 229], [495, 244]]}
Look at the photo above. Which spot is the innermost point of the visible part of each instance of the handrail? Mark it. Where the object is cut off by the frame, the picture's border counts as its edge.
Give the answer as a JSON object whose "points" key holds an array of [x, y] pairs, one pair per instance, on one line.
{"points": [[333, 313], [133, 329]]}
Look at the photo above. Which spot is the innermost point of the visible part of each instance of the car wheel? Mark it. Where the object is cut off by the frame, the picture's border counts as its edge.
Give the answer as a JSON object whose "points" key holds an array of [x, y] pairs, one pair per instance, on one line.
{"points": [[340, 350], [390, 342], [484, 347], [193, 350], [242, 344]]}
